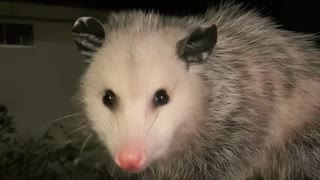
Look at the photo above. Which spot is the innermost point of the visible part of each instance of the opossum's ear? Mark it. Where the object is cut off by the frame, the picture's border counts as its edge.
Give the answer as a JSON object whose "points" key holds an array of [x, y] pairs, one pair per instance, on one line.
{"points": [[198, 45], [88, 34]]}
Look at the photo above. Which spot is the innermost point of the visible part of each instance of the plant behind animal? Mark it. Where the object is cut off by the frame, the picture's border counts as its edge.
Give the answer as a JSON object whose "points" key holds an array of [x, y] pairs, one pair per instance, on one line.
{"points": [[226, 95], [43, 158]]}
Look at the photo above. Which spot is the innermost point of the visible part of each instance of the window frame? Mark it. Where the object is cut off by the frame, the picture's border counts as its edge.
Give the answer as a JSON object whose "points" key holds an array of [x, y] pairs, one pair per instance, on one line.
{"points": [[6, 45]]}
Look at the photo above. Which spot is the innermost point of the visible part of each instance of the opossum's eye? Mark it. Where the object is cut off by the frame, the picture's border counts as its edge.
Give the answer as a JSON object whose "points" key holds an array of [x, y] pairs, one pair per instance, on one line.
{"points": [[109, 99], [160, 98]]}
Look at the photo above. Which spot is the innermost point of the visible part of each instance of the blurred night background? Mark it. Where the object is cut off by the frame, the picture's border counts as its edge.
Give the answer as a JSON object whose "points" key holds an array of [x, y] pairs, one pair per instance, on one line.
{"points": [[40, 68]]}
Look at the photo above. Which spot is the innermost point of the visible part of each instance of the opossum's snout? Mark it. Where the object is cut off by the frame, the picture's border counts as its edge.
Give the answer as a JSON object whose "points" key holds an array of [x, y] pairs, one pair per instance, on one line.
{"points": [[144, 140], [132, 156]]}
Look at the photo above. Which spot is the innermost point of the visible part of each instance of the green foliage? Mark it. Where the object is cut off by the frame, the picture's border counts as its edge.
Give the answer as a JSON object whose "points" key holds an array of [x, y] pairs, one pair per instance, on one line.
{"points": [[43, 159]]}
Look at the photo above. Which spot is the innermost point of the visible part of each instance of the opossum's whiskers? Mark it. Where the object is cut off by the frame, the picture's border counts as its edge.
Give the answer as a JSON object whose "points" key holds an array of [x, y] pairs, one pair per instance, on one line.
{"points": [[85, 143], [191, 107], [76, 130], [153, 121], [153, 171], [113, 170], [66, 117], [108, 123], [117, 121], [80, 152]]}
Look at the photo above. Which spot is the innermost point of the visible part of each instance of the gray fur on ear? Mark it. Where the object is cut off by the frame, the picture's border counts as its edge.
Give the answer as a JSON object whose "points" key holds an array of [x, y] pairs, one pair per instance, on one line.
{"points": [[198, 45], [88, 34]]}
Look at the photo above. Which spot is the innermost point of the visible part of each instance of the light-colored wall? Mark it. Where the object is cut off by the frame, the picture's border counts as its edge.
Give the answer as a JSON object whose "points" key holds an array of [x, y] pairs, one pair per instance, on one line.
{"points": [[37, 84]]}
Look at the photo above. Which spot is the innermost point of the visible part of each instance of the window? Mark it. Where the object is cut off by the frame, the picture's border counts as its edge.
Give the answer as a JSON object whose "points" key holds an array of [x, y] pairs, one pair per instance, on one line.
{"points": [[16, 34]]}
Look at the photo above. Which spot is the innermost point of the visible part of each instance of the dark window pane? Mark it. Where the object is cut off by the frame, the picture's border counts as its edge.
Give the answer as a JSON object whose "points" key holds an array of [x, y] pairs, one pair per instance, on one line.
{"points": [[12, 34], [19, 34], [1, 34], [27, 33]]}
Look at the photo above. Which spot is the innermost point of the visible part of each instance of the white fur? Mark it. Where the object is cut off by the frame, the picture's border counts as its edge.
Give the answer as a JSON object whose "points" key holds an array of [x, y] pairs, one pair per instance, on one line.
{"points": [[135, 67]]}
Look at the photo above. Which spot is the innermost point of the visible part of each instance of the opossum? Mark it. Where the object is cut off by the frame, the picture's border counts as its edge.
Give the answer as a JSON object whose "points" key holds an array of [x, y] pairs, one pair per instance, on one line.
{"points": [[228, 94]]}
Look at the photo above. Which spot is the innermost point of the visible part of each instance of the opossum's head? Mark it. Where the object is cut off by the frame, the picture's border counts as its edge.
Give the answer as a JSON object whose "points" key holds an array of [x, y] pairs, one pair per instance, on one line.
{"points": [[142, 89]]}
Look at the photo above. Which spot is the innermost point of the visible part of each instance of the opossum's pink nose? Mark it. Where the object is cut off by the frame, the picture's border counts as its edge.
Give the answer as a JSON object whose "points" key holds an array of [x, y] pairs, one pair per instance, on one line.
{"points": [[131, 157]]}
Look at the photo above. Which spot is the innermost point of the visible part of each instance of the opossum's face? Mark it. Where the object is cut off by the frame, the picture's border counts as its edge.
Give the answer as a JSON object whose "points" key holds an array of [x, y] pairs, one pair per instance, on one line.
{"points": [[139, 92]]}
